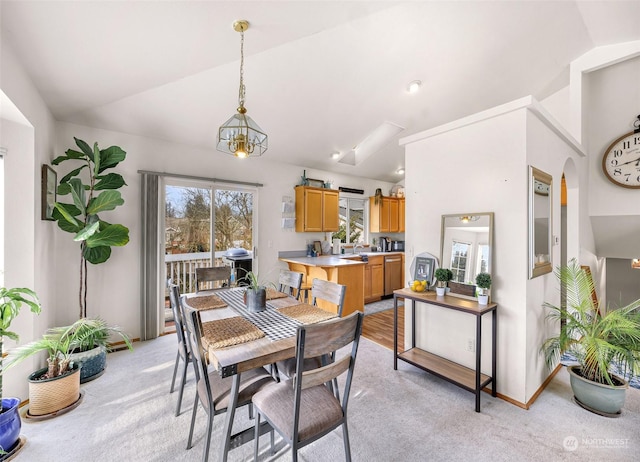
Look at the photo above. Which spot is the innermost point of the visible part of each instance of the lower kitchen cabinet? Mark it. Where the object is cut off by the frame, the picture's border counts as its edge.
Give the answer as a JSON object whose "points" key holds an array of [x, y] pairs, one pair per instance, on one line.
{"points": [[374, 279]]}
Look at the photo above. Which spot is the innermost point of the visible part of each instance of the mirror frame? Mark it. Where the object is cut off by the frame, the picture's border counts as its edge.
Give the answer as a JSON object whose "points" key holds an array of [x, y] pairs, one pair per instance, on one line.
{"points": [[491, 245], [540, 180]]}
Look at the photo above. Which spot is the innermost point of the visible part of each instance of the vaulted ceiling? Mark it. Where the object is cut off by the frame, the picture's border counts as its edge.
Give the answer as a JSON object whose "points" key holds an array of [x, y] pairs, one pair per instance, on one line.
{"points": [[321, 76]]}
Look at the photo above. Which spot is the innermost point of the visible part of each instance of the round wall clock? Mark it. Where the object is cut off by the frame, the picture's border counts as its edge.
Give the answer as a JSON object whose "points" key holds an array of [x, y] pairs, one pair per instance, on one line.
{"points": [[621, 160]]}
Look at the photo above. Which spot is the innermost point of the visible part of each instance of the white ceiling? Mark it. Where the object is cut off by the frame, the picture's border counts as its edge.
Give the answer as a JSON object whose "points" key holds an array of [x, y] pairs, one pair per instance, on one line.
{"points": [[320, 75]]}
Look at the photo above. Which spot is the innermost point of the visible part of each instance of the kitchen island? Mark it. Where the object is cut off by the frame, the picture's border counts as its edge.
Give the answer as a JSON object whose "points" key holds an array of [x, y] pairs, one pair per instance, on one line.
{"points": [[335, 269]]}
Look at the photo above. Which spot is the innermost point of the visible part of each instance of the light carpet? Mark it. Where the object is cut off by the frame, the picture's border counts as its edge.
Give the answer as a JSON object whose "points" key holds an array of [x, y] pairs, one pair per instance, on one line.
{"points": [[405, 415]]}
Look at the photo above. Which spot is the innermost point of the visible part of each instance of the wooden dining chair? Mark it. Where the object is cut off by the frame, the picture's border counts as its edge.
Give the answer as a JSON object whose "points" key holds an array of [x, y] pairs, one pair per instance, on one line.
{"points": [[184, 352], [305, 409], [213, 274], [213, 391], [331, 292], [290, 282]]}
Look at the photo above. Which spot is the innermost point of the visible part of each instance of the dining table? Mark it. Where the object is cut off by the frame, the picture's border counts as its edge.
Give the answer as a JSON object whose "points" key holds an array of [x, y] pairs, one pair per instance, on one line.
{"points": [[238, 340]]}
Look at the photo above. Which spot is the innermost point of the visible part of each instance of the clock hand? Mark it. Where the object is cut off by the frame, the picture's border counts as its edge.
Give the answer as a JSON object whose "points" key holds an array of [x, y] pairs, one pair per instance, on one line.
{"points": [[637, 161]]}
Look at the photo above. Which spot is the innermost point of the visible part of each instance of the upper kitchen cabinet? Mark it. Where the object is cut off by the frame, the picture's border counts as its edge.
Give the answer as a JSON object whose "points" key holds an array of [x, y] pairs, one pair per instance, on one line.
{"points": [[387, 216], [316, 209]]}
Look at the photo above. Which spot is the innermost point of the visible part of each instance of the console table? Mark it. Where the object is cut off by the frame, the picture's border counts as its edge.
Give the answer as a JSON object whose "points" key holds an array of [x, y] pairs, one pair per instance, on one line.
{"points": [[469, 379]]}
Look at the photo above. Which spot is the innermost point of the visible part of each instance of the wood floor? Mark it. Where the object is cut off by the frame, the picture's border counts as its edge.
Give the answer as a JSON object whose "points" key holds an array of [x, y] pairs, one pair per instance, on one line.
{"points": [[378, 327]]}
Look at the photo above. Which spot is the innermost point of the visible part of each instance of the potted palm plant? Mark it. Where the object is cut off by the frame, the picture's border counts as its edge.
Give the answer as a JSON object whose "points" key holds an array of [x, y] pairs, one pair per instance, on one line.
{"points": [[443, 276], [11, 300], [483, 282], [56, 387], [598, 338]]}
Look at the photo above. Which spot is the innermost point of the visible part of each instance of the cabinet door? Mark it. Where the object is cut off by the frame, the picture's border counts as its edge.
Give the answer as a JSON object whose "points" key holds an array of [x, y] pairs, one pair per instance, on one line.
{"points": [[367, 283], [377, 281], [384, 215], [394, 225], [374, 215], [401, 215], [331, 217], [313, 210]]}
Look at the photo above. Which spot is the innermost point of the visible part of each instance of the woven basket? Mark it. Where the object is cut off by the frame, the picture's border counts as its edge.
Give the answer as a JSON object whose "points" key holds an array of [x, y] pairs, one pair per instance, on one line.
{"points": [[51, 395]]}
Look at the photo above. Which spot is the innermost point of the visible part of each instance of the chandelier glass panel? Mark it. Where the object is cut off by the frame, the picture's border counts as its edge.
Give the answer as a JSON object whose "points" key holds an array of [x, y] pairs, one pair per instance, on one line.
{"points": [[240, 135]]}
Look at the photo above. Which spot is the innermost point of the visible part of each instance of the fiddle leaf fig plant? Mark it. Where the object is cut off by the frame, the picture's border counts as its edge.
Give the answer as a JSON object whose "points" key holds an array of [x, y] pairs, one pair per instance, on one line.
{"points": [[90, 192]]}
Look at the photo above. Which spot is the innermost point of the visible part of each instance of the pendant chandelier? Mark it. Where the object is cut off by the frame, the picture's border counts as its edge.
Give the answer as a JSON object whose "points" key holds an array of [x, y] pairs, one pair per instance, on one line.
{"points": [[240, 135]]}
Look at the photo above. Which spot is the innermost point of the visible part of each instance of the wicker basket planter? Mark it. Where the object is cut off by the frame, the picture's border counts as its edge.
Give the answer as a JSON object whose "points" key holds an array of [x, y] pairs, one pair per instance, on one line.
{"points": [[52, 395]]}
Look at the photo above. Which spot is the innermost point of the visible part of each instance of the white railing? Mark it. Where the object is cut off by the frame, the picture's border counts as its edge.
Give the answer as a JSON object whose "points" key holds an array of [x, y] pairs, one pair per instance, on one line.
{"points": [[181, 268]]}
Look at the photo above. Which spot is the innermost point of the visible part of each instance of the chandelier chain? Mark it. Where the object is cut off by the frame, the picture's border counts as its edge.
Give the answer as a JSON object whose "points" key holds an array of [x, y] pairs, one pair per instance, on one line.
{"points": [[241, 90]]}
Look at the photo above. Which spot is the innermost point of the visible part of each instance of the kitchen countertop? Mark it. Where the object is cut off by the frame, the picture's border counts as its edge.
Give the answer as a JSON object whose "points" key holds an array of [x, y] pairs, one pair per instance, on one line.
{"points": [[323, 260]]}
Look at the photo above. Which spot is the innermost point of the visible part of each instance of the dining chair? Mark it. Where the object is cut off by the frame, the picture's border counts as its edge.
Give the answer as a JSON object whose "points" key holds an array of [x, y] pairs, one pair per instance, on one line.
{"points": [[213, 274], [320, 290], [305, 409], [289, 282], [184, 352], [213, 391]]}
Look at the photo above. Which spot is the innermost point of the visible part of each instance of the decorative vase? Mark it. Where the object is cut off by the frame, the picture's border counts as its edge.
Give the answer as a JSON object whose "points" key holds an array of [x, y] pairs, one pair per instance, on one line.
{"points": [[483, 299], [10, 424], [606, 400], [92, 363], [256, 299], [440, 291], [49, 396]]}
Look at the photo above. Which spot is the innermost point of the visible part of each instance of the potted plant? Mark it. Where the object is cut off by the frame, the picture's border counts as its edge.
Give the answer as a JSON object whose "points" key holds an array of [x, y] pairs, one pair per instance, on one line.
{"points": [[89, 350], [255, 294], [483, 282], [11, 300], [443, 275], [598, 338], [57, 386], [99, 194]]}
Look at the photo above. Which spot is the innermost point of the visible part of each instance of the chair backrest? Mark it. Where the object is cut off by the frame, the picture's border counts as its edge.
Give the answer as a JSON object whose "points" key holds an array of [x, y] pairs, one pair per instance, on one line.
{"points": [[331, 292], [174, 297], [213, 274], [193, 329], [290, 283], [321, 340]]}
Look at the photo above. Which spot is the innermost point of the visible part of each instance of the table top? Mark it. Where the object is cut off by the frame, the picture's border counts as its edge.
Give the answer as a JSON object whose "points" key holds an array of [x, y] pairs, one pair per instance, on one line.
{"points": [[447, 301], [248, 355]]}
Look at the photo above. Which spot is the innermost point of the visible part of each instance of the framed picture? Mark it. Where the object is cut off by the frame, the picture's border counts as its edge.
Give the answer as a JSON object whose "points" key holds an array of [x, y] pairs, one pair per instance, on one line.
{"points": [[49, 184], [315, 183], [317, 246], [424, 269]]}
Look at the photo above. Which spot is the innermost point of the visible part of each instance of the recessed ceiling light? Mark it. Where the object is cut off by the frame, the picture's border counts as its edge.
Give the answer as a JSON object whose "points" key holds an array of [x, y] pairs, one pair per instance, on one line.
{"points": [[414, 86], [335, 155], [400, 171]]}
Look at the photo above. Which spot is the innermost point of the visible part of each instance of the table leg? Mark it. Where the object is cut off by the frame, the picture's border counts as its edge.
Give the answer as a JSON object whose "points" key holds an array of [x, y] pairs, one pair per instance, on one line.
{"points": [[478, 356], [494, 326], [230, 414], [413, 321], [395, 332]]}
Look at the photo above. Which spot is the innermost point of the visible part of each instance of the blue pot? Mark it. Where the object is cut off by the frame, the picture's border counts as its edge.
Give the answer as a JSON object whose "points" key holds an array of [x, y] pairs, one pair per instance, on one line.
{"points": [[10, 424]]}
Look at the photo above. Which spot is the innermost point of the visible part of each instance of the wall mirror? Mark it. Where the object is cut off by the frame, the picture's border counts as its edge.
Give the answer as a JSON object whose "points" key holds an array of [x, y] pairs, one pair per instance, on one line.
{"points": [[540, 237], [466, 248]]}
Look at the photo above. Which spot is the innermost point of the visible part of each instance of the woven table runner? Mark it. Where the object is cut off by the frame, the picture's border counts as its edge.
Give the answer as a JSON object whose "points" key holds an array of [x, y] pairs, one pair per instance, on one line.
{"points": [[229, 331], [206, 302], [273, 294], [307, 314]]}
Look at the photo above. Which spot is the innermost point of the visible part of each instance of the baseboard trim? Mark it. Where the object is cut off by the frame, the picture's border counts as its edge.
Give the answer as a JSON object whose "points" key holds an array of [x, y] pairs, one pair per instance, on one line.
{"points": [[528, 404]]}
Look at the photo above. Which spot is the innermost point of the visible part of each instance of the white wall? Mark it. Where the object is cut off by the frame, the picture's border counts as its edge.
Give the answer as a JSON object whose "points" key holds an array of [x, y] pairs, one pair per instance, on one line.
{"points": [[482, 165], [114, 287], [29, 245]]}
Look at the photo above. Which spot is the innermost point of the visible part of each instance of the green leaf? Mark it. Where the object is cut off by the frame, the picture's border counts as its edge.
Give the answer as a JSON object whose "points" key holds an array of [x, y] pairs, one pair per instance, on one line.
{"points": [[64, 189], [70, 154], [110, 181], [96, 255], [111, 235], [87, 232], [64, 214], [107, 200], [96, 159], [86, 149], [111, 157], [77, 192], [71, 174]]}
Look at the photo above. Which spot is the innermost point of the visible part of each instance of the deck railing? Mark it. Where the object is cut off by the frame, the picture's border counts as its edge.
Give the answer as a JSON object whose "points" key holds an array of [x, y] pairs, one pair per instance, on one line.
{"points": [[181, 268]]}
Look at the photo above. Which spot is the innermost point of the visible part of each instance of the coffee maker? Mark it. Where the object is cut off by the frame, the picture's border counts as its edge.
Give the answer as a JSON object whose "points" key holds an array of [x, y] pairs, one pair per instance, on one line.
{"points": [[385, 244]]}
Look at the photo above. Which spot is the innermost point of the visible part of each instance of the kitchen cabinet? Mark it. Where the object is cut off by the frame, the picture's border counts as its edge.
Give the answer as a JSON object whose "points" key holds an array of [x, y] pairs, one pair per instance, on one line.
{"points": [[316, 209], [373, 283], [387, 216]]}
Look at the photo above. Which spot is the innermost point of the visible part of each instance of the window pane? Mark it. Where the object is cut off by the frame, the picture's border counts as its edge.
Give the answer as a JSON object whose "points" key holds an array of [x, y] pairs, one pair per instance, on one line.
{"points": [[234, 219], [187, 219], [459, 254], [352, 221]]}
